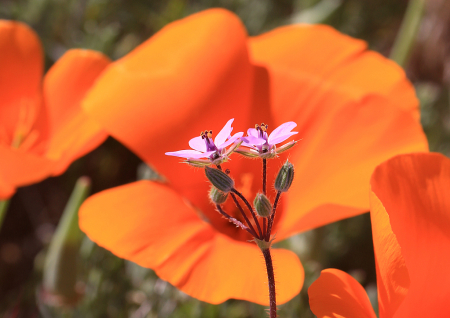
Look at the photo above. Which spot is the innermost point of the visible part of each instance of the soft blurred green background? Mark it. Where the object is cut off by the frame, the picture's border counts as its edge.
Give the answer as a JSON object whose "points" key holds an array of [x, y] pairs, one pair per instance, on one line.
{"points": [[117, 288]]}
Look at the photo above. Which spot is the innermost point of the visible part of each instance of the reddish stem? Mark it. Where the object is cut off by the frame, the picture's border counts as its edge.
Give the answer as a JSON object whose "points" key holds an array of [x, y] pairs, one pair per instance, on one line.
{"points": [[250, 209], [271, 278]]}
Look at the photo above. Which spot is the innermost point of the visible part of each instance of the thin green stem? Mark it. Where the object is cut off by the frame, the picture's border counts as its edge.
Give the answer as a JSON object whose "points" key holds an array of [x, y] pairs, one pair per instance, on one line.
{"points": [[60, 269], [3, 208], [408, 31]]}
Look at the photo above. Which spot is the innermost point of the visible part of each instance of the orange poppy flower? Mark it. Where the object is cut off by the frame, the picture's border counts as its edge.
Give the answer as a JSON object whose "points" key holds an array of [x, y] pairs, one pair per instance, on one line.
{"points": [[411, 225], [353, 108], [42, 126]]}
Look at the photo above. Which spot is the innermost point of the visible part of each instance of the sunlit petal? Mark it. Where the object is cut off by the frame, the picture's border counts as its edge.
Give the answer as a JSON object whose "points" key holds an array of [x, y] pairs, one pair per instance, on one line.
{"points": [[414, 192], [335, 294]]}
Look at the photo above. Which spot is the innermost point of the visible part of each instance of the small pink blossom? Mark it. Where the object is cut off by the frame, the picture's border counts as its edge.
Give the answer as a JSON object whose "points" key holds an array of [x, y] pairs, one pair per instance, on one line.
{"points": [[205, 147], [263, 145]]}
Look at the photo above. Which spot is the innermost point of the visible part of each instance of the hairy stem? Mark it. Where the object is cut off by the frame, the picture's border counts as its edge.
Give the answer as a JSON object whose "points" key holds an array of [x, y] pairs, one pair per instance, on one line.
{"points": [[233, 220], [244, 216], [264, 175], [264, 228], [271, 279], [233, 190], [272, 216]]}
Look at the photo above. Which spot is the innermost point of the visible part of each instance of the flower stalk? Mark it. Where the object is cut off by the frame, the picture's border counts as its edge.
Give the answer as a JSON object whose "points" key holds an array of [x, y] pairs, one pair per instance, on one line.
{"points": [[4, 204], [408, 31], [271, 279], [261, 145], [60, 269], [264, 175], [250, 209]]}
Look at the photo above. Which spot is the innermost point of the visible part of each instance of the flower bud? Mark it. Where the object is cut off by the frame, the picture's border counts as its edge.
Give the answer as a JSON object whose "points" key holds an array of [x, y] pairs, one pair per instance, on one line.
{"points": [[217, 196], [285, 177], [219, 179], [262, 205]]}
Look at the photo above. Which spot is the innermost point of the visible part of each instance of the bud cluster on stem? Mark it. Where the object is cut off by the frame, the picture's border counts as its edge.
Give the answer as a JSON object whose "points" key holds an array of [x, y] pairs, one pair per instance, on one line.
{"points": [[222, 184], [258, 144]]}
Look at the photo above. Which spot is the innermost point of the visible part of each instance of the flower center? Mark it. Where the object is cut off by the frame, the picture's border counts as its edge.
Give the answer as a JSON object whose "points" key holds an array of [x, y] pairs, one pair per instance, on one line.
{"points": [[19, 131], [207, 137], [262, 133], [210, 145]]}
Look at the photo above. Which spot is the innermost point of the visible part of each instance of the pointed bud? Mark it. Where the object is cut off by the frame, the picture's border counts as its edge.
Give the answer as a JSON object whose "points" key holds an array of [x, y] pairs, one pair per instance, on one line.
{"points": [[247, 152], [217, 196], [285, 177], [219, 179], [262, 205], [287, 146], [198, 163]]}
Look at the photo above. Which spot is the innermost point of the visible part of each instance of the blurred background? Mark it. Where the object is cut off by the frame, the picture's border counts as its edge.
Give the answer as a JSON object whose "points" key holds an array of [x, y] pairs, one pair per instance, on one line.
{"points": [[113, 287]]}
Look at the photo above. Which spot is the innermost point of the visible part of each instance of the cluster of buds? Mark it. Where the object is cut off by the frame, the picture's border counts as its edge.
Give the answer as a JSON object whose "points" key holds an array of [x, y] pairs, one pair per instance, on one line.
{"points": [[207, 153]]}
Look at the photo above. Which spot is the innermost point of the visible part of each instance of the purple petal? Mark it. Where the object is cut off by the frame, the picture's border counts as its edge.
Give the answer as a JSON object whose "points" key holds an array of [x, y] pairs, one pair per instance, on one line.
{"points": [[224, 133], [198, 144], [252, 132], [282, 138], [283, 129], [246, 142], [251, 141], [232, 139], [190, 154]]}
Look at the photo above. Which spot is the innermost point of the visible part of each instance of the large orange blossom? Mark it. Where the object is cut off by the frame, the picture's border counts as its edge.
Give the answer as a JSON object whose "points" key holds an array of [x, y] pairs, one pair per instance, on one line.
{"points": [[411, 232], [42, 126], [353, 108]]}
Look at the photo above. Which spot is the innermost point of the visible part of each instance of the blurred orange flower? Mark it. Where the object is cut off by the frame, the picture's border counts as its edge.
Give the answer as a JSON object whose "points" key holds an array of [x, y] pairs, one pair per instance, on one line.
{"points": [[411, 232], [42, 126], [353, 108]]}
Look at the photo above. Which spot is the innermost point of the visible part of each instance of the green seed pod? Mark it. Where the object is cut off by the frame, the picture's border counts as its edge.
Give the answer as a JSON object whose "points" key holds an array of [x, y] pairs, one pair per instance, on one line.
{"points": [[285, 177], [262, 205], [217, 196], [219, 179]]}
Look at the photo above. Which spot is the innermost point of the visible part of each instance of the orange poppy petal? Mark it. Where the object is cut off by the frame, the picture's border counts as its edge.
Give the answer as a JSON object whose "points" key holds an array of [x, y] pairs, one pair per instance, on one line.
{"points": [[414, 192], [192, 75], [146, 222], [336, 294], [153, 226], [354, 109], [18, 168], [21, 67], [335, 159], [325, 58], [392, 275], [238, 271], [65, 85]]}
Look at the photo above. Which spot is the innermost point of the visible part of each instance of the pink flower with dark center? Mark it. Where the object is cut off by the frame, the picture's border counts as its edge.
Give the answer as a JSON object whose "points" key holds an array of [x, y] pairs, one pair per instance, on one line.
{"points": [[205, 147]]}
